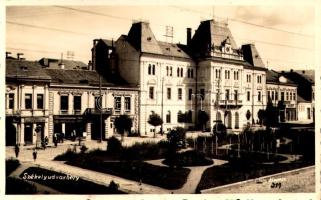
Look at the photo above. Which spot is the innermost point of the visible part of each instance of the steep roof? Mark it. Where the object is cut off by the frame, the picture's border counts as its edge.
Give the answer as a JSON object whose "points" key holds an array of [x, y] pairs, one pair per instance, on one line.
{"points": [[81, 77], [141, 37], [22, 69], [53, 63], [273, 78], [211, 32], [307, 74], [251, 55]]}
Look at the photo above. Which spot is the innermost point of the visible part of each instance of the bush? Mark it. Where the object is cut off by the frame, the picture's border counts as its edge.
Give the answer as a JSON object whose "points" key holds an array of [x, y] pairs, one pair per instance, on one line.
{"points": [[144, 151], [19, 186], [68, 155], [83, 149], [11, 165], [189, 158], [114, 146]]}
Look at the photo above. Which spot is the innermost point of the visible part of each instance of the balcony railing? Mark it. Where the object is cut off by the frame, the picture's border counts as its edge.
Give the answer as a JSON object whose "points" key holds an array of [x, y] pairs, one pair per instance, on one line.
{"points": [[229, 102], [96, 111]]}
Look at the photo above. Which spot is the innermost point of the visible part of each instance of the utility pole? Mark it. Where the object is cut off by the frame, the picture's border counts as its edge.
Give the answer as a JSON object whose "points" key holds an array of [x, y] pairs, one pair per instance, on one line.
{"points": [[162, 105], [101, 114]]}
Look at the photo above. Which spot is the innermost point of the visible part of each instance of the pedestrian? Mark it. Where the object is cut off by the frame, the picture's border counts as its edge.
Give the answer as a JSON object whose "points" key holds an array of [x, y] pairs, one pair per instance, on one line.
{"points": [[62, 135], [46, 140], [34, 154], [17, 150], [55, 139], [43, 144]]}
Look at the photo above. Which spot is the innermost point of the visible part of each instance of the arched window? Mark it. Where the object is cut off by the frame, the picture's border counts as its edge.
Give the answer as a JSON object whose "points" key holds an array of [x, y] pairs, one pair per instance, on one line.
{"points": [[188, 73], [228, 119], [166, 70], [192, 73], [237, 120], [181, 72], [171, 71], [177, 72], [168, 117]]}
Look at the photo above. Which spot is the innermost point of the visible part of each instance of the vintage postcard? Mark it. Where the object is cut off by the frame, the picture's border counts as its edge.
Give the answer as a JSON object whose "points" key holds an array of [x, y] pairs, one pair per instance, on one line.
{"points": [[215, 100]]}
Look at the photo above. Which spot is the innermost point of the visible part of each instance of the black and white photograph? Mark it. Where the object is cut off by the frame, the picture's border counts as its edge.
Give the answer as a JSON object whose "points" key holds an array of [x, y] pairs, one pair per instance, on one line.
{"points": [[160, 99]]}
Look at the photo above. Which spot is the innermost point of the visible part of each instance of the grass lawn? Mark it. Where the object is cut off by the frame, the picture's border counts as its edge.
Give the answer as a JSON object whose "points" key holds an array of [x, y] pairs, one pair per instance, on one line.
{"points": [[154, 175], [229, 173], [79, 186], [19, 186]]}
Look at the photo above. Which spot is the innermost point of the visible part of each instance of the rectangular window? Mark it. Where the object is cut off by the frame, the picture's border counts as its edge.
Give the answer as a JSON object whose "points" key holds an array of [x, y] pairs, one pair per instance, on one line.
{"points": [[127, 104], [190, 91], [287, 96], [11, 101], [151, 92], [308, 112], [39, 101], [276, 95], [168, 117], [282, 96], [272, 95], [192, 73], [117, 104], [28, 101], [236, 94], [227, 94], [248, 95], [64, 103], [294, 97], [77, 103], [202, 91], [169, 93], [269, 95], [179, 93], [259, 96]]}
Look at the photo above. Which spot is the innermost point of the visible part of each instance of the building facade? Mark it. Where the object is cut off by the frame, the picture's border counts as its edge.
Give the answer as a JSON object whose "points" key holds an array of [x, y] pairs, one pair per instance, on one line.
{"points": [[42, 101], [210, 73]]}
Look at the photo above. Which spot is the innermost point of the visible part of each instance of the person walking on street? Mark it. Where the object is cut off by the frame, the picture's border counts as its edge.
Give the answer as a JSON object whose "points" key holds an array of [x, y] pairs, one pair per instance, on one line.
{"points": [[17, 150], [34, 154], [55, 139]]}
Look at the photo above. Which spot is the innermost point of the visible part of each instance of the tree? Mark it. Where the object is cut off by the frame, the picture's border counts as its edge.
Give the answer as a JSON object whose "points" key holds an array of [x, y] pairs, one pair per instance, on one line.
{"points": [[261, 115], [123, 123], [203, 118], [176, 139], [155, 120], [271, 114]]}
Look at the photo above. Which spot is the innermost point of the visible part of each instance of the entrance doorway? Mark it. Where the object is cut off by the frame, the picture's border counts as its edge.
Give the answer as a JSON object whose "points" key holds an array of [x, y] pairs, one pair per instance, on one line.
{"points": [[28, 133]]}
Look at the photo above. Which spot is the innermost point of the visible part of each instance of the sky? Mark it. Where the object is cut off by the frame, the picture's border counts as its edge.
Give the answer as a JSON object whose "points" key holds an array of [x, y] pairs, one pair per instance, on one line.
{"points": [[283, 35]]}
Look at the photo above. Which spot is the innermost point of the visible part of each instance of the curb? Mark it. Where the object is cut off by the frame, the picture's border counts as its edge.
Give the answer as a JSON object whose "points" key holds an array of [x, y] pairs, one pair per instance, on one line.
{"points": [[211, 190]]}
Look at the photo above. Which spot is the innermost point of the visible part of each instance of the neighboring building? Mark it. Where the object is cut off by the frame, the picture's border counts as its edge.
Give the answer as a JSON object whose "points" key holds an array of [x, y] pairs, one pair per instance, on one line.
{"points": [[283, 94], [61, 101], [51, 63], [27, 102], [306, 93]]}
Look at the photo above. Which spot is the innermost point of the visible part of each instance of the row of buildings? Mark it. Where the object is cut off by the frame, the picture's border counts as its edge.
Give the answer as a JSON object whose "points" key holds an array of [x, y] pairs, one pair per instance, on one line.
{"points": [[138, 75]]}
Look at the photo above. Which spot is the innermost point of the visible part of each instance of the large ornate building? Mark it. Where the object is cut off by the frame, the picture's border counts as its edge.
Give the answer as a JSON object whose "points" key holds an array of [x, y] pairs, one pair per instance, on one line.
{"points": [[210, 73]]}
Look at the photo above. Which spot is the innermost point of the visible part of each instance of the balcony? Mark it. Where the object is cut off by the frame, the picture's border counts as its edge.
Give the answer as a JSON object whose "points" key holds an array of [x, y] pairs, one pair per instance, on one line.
{"points": [[96, 111], [230, 103]]}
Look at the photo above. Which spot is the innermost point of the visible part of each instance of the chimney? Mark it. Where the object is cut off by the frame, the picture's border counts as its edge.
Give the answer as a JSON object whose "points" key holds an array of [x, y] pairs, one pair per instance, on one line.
{"points": [[7, 54], [188, 35], [18, 55], [61, 64]]}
